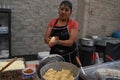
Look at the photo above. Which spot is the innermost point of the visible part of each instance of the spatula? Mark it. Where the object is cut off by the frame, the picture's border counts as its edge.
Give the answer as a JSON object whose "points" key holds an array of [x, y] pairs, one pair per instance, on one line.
{"points": [[84, 76], [79, 62]]}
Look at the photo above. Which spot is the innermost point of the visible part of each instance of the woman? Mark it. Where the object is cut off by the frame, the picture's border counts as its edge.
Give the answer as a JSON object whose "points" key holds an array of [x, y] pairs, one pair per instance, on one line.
{"points": [[65, 31]]}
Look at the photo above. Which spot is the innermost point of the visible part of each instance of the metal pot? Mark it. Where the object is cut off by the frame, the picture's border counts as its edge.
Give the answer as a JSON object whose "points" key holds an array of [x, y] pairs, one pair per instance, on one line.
{"points": [[47, 60], [59, 66], [87, 42]]}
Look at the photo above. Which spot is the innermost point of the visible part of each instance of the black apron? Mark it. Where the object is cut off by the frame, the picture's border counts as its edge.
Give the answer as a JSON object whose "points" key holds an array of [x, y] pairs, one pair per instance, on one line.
{"points": [[68, 53]]}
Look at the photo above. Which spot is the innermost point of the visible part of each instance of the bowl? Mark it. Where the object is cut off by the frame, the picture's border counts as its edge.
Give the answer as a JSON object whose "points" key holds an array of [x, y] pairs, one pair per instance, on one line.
{"points": [[28, 72], [94, 37], [59, 66]]}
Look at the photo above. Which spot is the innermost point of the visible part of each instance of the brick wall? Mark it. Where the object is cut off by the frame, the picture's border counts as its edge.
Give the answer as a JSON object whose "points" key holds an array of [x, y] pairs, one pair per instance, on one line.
{"points": [[104, 17], [30, 19]]}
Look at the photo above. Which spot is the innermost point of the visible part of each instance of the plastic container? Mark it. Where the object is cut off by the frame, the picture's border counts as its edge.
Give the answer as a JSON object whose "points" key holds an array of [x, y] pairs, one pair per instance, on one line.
{"points": [[43, 54], [97, 58], [116, 34], [3, 29], [28, 73], [94, 37]]}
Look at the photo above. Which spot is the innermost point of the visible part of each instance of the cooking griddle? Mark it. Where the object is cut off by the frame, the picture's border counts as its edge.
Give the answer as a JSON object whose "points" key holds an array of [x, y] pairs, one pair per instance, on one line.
{"points": [[12, 74]]}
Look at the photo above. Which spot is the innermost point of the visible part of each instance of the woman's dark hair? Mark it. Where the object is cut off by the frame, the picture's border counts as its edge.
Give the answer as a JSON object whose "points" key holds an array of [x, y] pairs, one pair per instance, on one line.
{"points": [[67, 3]]}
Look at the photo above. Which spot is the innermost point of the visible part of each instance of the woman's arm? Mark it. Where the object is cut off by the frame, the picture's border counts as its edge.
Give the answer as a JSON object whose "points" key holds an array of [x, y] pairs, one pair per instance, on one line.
{"points": [[71, 40], [47, 35]]}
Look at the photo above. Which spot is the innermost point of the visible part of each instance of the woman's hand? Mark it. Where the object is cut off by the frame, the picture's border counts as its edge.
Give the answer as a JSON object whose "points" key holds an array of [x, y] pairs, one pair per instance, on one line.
{"points": [[47, 40], [53, 41]]}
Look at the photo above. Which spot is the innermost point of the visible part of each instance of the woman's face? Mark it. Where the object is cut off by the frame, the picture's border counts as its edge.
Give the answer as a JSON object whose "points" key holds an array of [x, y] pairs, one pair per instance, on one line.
{"points": [[64, 12]]}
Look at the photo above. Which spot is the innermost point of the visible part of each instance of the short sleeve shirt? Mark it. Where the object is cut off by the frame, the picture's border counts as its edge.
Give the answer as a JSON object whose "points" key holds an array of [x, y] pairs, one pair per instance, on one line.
{"points": [[72, 24]]}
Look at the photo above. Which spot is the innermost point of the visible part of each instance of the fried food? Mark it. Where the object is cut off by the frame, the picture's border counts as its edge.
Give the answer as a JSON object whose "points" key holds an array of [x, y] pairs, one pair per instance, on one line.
{"points": [[52, 74], [52, 39]]}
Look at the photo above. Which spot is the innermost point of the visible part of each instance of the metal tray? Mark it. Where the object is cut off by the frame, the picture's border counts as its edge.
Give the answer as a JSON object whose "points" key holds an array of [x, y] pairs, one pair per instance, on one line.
{"points": [[108, 78], [18, 59], [102, 41], [106, 73], [89, 70]]}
